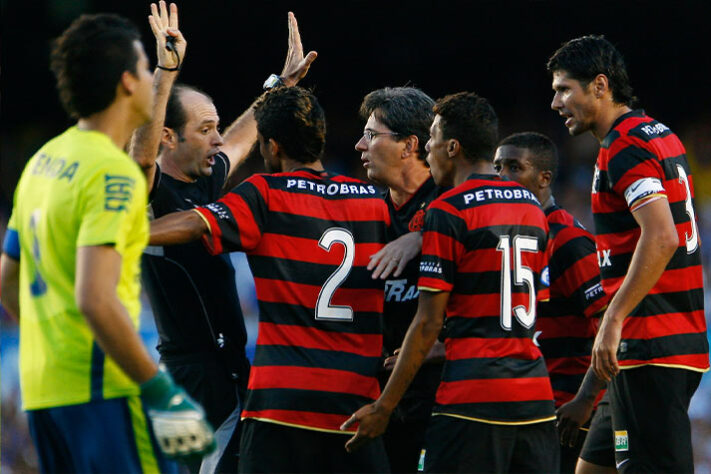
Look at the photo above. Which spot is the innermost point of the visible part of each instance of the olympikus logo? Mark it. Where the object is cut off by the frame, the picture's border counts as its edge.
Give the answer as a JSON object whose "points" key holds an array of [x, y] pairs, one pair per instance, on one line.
{"points": [[656, 129]]}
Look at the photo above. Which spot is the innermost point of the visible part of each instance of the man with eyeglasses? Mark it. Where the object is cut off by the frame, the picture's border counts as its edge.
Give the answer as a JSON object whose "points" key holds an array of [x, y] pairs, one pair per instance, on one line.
{"points": [[393, 153]]}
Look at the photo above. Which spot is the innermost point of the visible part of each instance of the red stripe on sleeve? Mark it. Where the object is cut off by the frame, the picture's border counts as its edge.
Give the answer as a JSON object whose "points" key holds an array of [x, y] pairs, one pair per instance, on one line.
{"points": [[440, 245], [213, 239]]}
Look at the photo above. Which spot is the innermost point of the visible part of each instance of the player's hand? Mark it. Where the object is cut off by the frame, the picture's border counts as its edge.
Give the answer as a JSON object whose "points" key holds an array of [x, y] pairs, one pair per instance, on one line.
{"points": [[394, 257], [604, 353], [178, 421], [296, 65], [571, 416], [164, 24], [372, 420]]}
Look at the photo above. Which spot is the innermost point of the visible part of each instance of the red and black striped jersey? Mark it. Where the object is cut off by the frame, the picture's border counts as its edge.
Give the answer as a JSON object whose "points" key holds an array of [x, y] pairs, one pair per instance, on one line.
{"points": [[484, 242], [641, 160], [308, 237], [565, 325]]}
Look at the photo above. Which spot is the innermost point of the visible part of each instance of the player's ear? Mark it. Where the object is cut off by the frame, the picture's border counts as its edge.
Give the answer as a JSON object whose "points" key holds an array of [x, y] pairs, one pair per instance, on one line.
{"points": [[600, 85], [274, 147], [412, 145], [453, 147], [127, 84], [168, 138], [545, 179]]}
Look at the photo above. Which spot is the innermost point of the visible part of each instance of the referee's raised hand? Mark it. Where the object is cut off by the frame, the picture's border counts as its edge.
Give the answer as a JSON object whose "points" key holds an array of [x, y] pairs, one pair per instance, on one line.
{"points": [[170, 43]]}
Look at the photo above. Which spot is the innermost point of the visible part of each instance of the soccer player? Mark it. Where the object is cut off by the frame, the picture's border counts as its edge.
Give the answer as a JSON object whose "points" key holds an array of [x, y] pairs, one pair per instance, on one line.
{"points": [[393, 152], [193, 295], [308, 235], [482, 255], [71, 257], [651, 345], [567, 322]]}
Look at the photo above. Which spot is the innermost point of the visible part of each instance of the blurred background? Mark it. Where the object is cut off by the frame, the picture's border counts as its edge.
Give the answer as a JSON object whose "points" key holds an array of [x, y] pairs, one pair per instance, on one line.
{"points": [[496, 48]]}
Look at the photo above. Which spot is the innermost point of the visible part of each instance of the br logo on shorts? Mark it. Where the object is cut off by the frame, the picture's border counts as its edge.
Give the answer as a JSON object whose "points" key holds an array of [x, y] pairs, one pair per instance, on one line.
{"points": [[622, 442]]}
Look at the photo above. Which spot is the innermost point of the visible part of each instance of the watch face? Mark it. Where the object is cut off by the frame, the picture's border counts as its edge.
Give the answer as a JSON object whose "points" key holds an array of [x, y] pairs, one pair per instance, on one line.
{"points": [[272, 81]]}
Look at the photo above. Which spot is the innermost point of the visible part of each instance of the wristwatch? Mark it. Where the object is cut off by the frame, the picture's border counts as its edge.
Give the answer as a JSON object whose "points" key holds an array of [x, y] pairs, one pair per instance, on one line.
{"points": [[272, 82]]}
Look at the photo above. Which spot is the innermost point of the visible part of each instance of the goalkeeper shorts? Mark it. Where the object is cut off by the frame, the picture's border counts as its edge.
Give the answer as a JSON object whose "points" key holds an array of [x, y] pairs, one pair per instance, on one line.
{"points": [[100, 436]]}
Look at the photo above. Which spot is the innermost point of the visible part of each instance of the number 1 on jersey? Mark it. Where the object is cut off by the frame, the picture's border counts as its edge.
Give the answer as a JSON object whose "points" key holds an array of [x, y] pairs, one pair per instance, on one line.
{"points": [[38, 287], [522, 276]]}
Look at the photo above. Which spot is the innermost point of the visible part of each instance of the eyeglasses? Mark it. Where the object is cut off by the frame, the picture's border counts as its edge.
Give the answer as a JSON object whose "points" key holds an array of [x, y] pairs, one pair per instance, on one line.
{"points": [[370, 134]]}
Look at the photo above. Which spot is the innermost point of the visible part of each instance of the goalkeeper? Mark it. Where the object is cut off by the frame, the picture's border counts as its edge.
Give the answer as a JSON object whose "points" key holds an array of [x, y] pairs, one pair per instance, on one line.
{"points": [[70, 268]]}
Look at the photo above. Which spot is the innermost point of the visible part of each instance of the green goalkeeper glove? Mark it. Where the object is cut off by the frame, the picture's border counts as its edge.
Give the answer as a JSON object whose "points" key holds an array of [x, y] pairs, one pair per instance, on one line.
{"points": [[178, 421]]}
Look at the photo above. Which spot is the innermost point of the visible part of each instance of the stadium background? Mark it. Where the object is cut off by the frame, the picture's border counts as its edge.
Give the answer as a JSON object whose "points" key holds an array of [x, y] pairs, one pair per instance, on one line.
{"points": [[497, 49]]}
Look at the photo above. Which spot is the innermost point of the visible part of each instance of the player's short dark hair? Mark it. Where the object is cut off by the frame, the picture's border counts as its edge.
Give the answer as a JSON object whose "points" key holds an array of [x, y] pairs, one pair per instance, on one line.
{"points": [[404, 110], [544, 154], [471, 120], [175, 116], [88, 60], [585, 57], [293, 117]]}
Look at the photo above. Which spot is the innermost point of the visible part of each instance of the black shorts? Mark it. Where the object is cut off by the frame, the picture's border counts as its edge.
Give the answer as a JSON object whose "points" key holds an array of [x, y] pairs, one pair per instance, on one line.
{"points": [[205, 379], [269, 447], [648, 427], [458, 445], [569, 454], [599, 446], [404, 440]]}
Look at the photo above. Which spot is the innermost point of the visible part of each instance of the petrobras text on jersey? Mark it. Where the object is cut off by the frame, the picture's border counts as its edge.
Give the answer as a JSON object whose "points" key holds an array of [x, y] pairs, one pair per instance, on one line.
{"points": [[506, 193], [331, 189]]}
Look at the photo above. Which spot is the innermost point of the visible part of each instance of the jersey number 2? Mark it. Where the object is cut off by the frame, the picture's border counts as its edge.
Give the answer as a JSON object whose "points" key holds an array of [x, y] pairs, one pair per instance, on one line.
{"points": [[324, 309], [522, 276]]}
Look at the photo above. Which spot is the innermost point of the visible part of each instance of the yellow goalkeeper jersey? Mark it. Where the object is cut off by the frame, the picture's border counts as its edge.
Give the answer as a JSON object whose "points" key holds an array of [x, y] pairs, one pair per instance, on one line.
{"points": [[78, 190]]}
